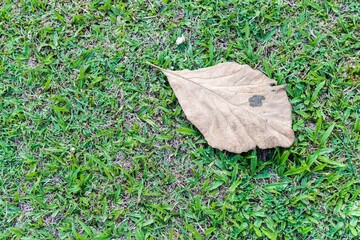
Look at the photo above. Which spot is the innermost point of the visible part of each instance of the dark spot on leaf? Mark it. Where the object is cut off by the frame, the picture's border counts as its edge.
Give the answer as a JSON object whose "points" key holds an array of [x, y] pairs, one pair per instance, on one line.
{"points": [[255, 101]]}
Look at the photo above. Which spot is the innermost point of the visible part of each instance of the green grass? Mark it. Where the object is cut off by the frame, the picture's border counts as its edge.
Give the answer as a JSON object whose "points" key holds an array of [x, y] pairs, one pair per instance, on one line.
{"points": [[94, 145]]}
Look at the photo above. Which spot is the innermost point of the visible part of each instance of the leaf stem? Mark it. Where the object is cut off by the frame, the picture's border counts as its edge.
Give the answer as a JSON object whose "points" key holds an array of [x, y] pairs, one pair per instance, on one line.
{"points": [[153, 65]]}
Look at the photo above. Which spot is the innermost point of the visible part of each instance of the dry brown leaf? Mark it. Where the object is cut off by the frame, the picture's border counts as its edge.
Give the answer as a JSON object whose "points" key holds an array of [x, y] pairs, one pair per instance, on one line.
{"points": [[235, 107]]}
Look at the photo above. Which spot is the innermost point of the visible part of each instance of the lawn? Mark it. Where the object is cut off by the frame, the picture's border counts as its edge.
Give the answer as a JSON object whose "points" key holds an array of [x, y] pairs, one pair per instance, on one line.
{"points": [[94, 144]]}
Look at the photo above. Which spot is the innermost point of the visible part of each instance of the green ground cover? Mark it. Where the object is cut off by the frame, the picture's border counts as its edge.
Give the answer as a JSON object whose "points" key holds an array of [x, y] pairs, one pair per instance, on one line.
{"points": [[94, 145]]}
